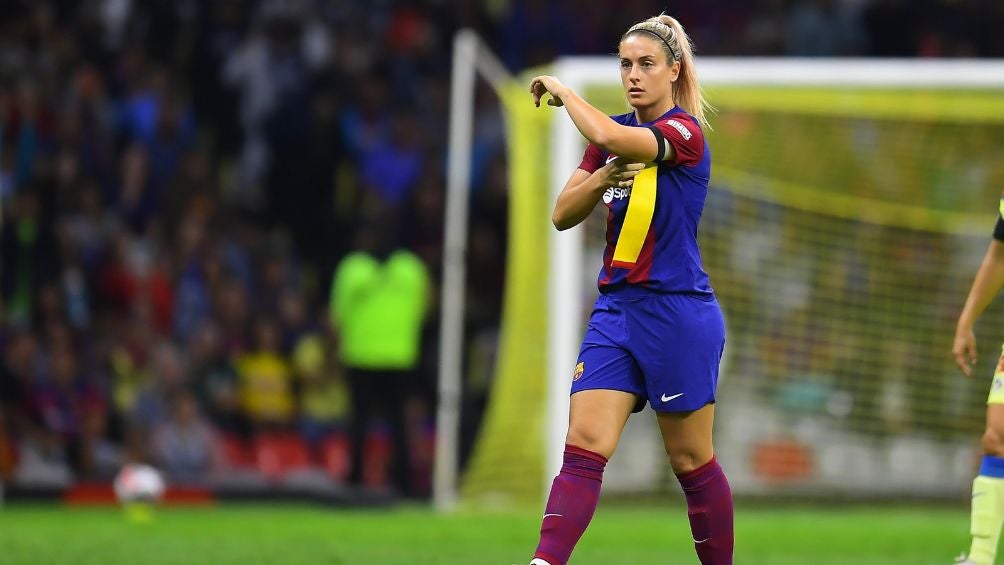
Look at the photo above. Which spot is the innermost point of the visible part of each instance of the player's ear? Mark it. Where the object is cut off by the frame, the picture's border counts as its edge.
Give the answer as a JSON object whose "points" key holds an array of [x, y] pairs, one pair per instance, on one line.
{"points": [[674, 71]]}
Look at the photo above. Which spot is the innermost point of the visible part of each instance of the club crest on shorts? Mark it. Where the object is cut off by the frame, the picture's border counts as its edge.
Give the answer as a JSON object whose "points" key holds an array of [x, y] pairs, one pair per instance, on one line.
{"points": [[579, 369]]}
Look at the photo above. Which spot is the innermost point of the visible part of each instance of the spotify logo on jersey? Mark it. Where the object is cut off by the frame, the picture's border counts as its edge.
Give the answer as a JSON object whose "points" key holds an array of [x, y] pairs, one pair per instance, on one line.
{"points": [[616, 192]]}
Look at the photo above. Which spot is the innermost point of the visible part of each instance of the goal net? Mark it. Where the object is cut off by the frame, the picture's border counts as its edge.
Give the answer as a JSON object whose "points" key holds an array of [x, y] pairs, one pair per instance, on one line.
{"points": [[850, 205]]}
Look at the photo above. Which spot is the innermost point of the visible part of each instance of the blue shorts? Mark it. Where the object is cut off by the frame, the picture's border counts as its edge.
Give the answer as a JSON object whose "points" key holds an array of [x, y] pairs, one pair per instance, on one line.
{"points": [[664, 348]]}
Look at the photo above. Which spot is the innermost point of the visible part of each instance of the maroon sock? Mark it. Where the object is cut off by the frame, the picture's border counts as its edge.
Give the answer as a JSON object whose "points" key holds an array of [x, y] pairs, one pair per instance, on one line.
{"points": [[570, 506], [709, 507]]}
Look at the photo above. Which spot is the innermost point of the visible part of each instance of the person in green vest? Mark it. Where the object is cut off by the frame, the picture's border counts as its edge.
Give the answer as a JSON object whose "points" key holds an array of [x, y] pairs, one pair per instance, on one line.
{"points": [[379, 299]]}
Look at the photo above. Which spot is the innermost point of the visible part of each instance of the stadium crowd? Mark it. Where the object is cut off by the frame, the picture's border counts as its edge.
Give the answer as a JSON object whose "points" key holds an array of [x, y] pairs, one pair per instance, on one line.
{"points": [[179, 181]]}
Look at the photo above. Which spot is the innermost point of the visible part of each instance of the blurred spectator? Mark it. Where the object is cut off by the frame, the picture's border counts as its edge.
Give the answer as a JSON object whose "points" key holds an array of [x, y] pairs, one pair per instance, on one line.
{"points": [[199, 271], [27, 248], [265, 380], [325, 393], [184, 445], [104, 455], [393, 165], [134, 283], [166, 377], [422, 223], [62, 399], [18, 365], [379, 299], [820, 28], [214, 380], [271, 70]]}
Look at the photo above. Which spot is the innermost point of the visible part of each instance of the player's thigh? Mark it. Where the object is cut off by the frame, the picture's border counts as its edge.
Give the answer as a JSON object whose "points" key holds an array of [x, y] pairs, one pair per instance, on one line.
{"points": [[607, 384], [687, 437], [678, 342], [596, 419], [603, 364], [604, 361]]}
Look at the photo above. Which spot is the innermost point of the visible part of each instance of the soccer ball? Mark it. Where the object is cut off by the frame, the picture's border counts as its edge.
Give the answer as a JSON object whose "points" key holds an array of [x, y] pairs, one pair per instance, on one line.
{"points": [[137, 482]]}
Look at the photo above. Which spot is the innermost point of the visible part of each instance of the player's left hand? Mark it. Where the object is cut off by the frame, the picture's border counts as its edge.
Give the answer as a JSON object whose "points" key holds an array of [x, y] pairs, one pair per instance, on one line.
{"points": [[544, 84], [964, 349]]}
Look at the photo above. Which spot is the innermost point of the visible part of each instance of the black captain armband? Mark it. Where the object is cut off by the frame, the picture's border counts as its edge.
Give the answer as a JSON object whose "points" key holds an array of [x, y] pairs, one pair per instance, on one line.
{"points": [[660, 142], [999, 229]]}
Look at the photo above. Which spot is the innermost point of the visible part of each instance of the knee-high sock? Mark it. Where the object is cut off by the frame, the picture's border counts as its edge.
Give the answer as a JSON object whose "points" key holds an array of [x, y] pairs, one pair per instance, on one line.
{"points": [[570, 505], [988, 510], [709, 507]]}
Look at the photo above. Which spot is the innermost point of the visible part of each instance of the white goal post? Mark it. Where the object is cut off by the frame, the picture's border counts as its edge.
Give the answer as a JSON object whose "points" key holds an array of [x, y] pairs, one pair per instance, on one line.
{"points": [[470, 57]]}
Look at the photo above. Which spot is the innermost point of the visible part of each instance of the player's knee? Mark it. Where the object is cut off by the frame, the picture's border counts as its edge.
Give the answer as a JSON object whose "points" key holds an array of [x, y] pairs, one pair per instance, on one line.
{"points": [[591, 439], [993, 442], [684, 460]]}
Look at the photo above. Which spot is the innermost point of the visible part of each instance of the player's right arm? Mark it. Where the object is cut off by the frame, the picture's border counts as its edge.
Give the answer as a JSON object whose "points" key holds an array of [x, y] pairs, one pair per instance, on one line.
{"points": [[584, 189], [987, 284]]}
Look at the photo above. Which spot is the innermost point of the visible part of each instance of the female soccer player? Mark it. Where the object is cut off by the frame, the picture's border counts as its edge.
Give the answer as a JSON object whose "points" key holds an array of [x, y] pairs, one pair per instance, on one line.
{"points": [[988, 487], [656, 333]]}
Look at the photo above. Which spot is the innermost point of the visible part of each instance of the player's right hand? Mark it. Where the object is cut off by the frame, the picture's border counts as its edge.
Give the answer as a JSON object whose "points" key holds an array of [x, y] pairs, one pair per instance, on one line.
{"points": [[621, 172], [964, 349]]}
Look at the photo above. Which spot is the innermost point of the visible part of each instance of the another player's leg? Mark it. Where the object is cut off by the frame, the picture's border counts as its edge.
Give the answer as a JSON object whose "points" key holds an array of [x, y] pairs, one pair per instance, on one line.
{"points": [[687, 437], [988, 487], [596, 420]]}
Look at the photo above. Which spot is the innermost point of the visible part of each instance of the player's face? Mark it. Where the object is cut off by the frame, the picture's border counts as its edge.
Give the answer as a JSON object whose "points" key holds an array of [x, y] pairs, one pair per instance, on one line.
{"points": [[646, 73]]}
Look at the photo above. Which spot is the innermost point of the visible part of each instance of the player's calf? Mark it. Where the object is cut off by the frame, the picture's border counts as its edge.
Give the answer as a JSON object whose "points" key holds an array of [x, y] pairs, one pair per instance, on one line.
{"points": [[570, 505], [709, 507]]}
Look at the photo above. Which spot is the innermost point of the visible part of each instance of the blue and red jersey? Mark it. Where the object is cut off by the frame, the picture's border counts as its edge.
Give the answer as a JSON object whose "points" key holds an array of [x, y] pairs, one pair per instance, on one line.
{"points": [[652, 226]]}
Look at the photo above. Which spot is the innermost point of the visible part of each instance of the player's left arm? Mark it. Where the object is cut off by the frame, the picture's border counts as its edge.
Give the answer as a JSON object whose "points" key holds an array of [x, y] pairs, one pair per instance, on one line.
{"points": [[632, 143], [988, 282]]}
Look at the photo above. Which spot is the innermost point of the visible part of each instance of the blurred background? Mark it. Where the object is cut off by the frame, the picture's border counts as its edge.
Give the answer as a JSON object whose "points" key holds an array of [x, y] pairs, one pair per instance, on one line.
{"points": [[222, 220]]}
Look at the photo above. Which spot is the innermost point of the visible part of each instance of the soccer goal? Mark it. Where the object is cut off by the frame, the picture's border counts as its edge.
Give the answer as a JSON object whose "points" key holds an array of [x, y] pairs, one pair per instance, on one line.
{"points": [[850, 204]]}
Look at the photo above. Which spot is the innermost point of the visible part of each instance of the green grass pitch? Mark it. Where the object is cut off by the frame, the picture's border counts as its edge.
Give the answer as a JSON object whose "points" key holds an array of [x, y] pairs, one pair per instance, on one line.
{"points": [[234, 533]]}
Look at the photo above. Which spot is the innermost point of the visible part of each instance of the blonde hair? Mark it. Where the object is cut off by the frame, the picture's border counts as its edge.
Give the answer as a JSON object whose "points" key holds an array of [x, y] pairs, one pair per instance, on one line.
{"points": [[687, 92]]}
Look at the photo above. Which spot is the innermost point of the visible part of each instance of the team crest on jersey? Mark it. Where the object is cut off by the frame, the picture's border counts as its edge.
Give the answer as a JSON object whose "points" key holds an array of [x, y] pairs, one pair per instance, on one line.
{"points": [[579, 369], [680, 128]]}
